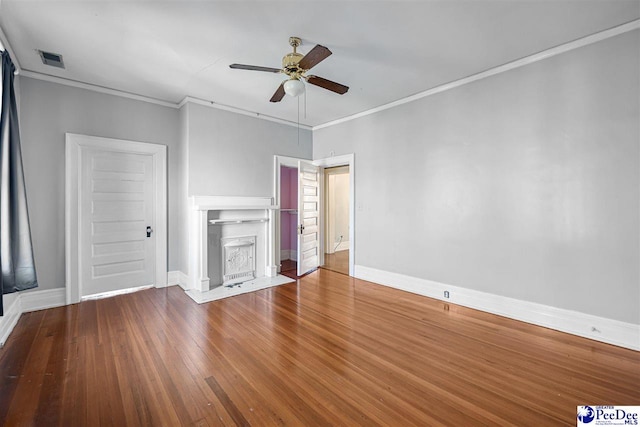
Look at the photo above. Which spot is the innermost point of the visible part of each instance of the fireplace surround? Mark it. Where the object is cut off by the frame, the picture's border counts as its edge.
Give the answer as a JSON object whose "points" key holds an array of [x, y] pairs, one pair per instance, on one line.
{"points": [[226, 217]]}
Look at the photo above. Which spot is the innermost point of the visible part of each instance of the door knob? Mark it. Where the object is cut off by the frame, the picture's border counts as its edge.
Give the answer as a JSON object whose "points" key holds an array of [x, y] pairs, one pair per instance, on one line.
{"points": [[149, 230]]}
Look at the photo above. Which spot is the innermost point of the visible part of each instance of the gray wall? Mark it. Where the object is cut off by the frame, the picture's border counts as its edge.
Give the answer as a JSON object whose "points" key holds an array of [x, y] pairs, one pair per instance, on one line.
{"points": [[524, 184], [232, 154], [202, 144], [184, 189], [47, 111]]}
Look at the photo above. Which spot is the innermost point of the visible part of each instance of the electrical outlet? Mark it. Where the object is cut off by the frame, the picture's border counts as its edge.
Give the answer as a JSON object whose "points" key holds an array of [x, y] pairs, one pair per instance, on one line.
{"points": [[446, 294]]}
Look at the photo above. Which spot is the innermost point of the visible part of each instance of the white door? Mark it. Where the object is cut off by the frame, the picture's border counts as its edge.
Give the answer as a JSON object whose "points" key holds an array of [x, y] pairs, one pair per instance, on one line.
{"points": [[308, 217], [117, 239]]}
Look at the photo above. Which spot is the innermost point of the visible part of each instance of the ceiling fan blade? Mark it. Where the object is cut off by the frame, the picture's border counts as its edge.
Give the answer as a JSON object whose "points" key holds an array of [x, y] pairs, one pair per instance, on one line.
{"points": [[255, 68], [279, 94], [328, 84], [314, 57]]}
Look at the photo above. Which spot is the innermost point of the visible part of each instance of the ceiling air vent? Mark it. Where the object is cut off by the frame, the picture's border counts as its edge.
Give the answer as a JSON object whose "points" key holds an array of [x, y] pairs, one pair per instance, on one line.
{"points": [[53, 59]]}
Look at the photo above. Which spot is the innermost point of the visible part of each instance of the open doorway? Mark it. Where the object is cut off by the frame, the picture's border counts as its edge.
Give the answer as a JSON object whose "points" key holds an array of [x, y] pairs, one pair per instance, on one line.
{"points": [[300, 246], [336, 219], [288, 219]]}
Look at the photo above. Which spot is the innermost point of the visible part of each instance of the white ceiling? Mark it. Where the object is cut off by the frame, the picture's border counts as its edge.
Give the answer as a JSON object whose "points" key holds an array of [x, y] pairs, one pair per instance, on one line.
{"points": [[382, 50]]}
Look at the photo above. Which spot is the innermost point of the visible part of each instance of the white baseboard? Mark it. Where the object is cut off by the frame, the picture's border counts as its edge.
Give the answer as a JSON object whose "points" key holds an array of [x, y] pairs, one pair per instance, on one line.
{"points": [[29, 301], [178, 278], [173, 278], [585, 325], [183, 280], [9, 320], [291, 254], [24, 302], [343, 246], [40, 300], [271, 271]]}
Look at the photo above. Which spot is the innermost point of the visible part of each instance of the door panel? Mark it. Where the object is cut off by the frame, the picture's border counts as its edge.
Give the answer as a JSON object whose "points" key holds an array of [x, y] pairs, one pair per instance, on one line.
{"points": [[308, 216], [116, 197]]}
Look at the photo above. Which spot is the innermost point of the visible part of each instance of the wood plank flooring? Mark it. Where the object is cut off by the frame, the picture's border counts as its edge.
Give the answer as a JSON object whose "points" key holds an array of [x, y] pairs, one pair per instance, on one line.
{"points": [[326, 350], [289, 268], [337, 261]]}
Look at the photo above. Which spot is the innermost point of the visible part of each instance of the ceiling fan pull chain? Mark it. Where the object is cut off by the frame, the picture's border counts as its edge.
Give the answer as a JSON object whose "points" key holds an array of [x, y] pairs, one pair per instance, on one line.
{"points": [[298, 121]]}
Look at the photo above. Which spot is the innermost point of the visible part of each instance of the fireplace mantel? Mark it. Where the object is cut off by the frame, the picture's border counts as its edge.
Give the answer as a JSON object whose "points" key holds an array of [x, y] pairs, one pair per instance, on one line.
{"points": [[198, 233]]}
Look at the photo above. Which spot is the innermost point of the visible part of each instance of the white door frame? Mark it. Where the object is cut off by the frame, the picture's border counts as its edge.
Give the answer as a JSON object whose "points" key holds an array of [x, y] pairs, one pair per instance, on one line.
{"points": [[330, 162], [74, 145], [343, 160], [278, 161], [329, 209]]}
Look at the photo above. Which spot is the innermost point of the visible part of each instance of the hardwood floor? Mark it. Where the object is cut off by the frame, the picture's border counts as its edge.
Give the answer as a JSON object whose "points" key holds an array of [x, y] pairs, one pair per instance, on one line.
{"points": [[337, 261], [326, 350], [289, 268], [288, 265]]}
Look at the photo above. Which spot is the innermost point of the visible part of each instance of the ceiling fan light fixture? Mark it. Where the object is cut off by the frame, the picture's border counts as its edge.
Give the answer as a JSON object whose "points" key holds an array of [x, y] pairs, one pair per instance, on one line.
{"points": [[294, 87], [295, 66]]}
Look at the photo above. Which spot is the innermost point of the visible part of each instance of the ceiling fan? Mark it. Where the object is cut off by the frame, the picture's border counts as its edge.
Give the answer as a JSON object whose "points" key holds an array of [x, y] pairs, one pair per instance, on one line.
{"points": [[295, 65]]}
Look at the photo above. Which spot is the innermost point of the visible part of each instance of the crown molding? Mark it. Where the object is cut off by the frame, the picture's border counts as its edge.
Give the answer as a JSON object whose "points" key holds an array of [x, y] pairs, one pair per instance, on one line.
{"points": [[187, 99], [95, 88], [566, 47], [212, 104], [575, 44]]}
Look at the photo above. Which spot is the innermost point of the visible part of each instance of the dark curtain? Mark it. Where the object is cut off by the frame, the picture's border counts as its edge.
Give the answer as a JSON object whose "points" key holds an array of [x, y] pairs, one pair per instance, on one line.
{"points": [[16, 253]]}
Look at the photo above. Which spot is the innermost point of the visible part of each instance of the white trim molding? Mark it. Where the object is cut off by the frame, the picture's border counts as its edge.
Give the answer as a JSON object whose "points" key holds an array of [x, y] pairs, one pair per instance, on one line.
{"points": [[575, 44], [25, 302], [9, 320], [566, 47], [95, 88], [74, 145], [173, 278], [288, 254], [40, 300], [342, 246], [198, 245], [581, 324], [329, 162], [183, 280], [213, 104], [178, 278]]}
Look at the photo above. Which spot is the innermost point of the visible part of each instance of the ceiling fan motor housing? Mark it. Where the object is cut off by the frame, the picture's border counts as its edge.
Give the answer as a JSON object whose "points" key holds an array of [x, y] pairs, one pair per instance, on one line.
{"points": [[290, 62], [295, 66]]}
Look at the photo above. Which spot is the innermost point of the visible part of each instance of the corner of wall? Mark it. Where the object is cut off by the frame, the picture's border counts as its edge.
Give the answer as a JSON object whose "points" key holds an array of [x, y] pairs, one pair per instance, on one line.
{"points": [[9, 320], [25, 302], [184, 190]]}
